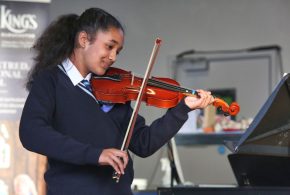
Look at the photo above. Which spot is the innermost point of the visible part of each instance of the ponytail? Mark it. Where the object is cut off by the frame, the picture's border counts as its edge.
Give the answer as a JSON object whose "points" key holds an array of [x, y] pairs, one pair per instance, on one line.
{"points": [[54, 45]]}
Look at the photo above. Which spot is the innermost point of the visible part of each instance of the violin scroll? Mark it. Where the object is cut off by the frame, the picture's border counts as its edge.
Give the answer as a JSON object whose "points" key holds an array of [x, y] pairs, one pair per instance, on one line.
{"points": [[232, 109]]}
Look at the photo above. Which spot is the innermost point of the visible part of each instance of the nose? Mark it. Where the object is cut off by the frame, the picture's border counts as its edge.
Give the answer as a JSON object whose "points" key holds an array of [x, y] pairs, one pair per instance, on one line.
{"points": [[113, 56]]}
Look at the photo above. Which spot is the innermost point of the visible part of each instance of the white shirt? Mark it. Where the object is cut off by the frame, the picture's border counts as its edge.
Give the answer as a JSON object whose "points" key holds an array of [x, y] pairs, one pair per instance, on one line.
{"points": [[73, 73]]}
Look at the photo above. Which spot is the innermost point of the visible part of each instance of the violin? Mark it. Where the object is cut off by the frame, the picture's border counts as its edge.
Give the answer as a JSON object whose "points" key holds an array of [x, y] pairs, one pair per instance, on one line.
{"points": [[120, 86]]}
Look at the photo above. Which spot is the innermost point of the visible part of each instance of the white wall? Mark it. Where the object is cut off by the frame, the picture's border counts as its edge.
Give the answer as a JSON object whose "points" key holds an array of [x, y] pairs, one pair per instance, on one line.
{"points": [[190, 24]]}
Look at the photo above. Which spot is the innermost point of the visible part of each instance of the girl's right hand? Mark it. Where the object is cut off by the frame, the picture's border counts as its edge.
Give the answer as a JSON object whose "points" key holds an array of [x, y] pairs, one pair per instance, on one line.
{"points": [[118, 159]]}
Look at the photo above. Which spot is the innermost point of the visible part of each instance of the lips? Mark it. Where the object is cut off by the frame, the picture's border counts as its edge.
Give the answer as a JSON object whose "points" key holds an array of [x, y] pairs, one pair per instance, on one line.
{"points": [[106, 65]]}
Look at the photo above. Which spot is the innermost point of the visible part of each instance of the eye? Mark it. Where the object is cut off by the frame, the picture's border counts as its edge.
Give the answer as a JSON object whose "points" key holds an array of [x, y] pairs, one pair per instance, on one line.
{"points": [[110, 47], [119, 50]]}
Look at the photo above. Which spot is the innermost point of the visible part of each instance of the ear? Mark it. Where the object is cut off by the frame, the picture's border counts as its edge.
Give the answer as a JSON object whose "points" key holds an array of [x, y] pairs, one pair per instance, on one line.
{"points": [[83, 39]]}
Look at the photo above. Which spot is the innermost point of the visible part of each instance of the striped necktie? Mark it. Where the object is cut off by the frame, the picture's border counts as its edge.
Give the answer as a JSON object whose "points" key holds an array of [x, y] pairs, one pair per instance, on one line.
{"points": [[87, 85], [106, 107]]}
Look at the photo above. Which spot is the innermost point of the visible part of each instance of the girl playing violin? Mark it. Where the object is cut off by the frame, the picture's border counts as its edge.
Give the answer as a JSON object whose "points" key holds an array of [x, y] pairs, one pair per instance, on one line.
{"points": [[79, 135]]}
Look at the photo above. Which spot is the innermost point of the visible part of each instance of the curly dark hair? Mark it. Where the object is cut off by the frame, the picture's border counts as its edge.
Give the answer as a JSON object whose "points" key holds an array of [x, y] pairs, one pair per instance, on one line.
{"points": [[58, 40]]}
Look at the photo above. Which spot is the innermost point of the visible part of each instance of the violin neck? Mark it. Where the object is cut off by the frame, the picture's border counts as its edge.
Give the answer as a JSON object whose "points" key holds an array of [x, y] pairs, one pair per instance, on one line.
{"points": [[171, 87]]}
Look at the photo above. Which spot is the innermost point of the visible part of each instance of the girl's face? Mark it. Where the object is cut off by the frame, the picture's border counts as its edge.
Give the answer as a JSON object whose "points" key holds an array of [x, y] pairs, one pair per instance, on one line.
{"points": [[98, 56]]}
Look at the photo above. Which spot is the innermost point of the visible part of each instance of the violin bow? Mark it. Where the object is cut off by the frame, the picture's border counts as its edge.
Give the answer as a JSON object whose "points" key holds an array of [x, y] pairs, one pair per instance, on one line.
{"points": [[128, 135]]}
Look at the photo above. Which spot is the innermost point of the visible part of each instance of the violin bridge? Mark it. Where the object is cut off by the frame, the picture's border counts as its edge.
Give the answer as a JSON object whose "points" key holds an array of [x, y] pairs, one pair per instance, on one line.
{"points": [[132, 79]]}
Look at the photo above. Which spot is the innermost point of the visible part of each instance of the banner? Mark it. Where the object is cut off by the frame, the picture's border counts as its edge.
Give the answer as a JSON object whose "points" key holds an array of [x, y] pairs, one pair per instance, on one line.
{"points": [[20, 25]]}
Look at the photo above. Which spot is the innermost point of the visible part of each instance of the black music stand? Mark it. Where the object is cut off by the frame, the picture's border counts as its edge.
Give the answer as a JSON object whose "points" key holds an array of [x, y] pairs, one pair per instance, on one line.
{"points": [[261, 157]]}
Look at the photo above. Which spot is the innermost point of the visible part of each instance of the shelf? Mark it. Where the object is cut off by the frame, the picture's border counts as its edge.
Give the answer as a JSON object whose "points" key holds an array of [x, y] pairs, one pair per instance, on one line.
{"points": [[207, 138]]}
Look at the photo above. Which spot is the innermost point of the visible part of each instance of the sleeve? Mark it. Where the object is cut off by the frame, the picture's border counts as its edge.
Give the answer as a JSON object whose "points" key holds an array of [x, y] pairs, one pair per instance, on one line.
{"points": [[148, 139], [36, 130]]}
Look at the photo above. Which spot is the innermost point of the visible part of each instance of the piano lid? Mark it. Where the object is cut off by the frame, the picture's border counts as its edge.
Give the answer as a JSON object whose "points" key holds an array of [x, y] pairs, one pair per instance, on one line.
{"points": [[270, 129]]}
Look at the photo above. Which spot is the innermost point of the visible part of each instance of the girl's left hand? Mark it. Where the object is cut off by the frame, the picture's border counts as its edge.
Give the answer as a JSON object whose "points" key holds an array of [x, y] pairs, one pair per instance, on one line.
{"points": [[203, 100]]}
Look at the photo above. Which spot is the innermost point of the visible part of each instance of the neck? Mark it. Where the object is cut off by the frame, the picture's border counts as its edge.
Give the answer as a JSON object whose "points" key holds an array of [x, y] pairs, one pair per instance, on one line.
{"points": [[78, 63]]}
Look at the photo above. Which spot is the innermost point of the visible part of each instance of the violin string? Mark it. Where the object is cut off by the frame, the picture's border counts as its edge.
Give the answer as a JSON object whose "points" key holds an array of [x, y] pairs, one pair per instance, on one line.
{"points": [[156, 83], [162, 84], [165, 85]]}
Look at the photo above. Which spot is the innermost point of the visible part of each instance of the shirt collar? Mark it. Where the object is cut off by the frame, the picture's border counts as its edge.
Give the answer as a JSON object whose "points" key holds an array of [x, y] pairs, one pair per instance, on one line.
{"points": [[73, 73]]}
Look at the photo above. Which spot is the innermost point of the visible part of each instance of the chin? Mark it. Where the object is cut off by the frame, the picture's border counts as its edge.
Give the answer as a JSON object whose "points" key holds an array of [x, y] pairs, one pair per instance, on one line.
{"points": [[100, 72]]}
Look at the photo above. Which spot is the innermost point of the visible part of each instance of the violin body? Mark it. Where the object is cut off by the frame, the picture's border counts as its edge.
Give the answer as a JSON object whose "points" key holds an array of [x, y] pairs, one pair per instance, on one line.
{"points": [[120, 86]]}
